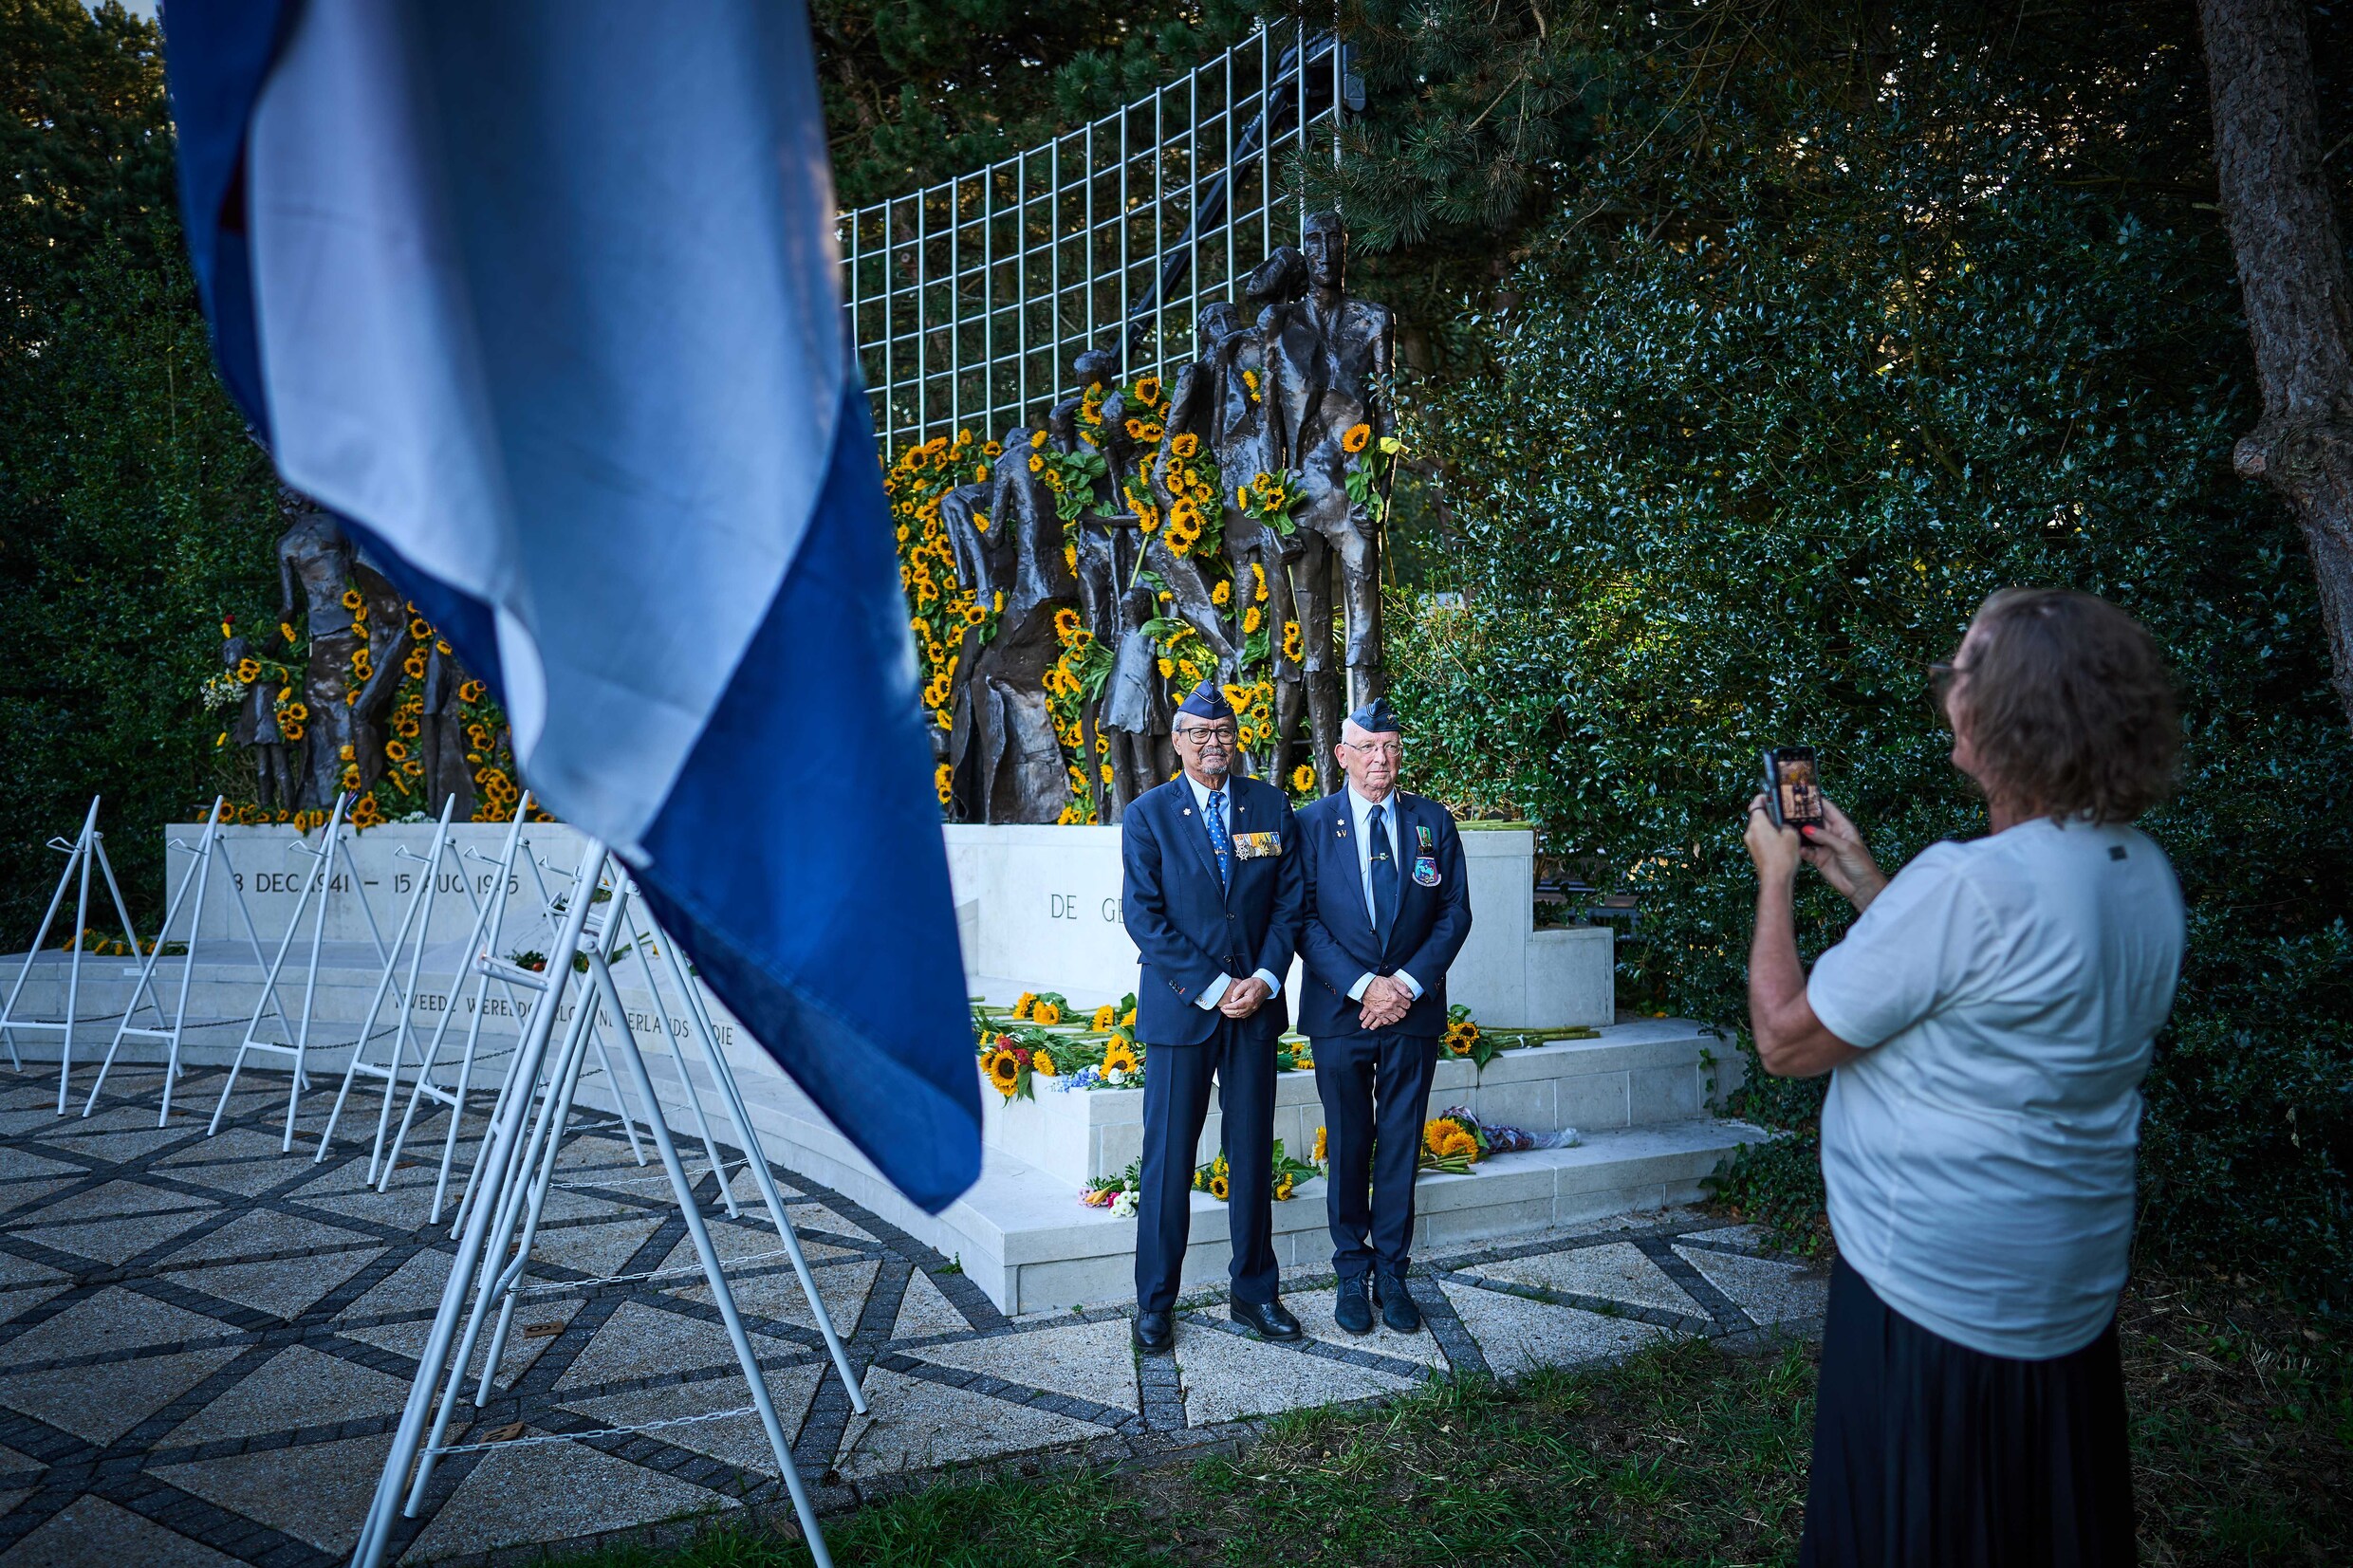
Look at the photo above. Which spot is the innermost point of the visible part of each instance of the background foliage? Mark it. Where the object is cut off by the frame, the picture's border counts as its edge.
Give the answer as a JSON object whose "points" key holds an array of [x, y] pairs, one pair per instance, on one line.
{"points": [[1737, 472], [132, 511]]}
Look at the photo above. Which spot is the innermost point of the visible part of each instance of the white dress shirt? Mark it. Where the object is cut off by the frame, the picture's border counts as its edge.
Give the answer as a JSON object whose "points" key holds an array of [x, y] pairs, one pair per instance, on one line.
{"points": [[1360, 813], [1214, 993]]}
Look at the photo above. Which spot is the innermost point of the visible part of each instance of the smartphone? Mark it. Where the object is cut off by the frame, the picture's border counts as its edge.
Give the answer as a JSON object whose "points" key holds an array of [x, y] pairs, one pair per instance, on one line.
{"points": [[1792, 789]]}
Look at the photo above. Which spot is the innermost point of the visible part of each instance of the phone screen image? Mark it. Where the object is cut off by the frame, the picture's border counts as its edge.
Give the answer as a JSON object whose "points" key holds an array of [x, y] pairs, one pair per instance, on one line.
{"points": [[1797, 791]]}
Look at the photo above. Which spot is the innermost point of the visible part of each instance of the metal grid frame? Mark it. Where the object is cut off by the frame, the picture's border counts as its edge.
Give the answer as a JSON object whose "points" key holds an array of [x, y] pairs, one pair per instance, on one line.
{"points": [[968, 299]]}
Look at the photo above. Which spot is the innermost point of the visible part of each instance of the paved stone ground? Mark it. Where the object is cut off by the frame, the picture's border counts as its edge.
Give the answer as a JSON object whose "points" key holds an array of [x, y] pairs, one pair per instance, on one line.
{"points": [[205, 1343]]}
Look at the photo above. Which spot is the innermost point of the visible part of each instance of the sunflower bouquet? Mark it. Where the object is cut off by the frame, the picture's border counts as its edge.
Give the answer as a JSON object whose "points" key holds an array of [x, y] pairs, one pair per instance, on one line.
{"points": [[1271, 498], [1041, 1035], [1369, 466], [1217, 1177], [1453, 1142], [1464, 1037]]}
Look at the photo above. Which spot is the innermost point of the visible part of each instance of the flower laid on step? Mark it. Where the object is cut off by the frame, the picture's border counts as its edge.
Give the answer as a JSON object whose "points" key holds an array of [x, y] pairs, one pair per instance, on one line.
{"points": [[1042, 1063], [1106, 1019], [1322, 1148], [1217, 1177], [1008, 1068], [1451, 1142], [1022, 1002], [1462, 1036], [1118, 1194]]}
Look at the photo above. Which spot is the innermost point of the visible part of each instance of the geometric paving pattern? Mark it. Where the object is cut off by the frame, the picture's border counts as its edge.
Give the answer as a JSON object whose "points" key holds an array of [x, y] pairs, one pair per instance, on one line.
{"points": [[205, 1343]]}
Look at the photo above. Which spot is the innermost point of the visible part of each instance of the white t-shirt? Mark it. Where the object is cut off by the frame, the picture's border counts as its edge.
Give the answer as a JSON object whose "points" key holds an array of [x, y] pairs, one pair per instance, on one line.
{"points": [[1979, 1155]]}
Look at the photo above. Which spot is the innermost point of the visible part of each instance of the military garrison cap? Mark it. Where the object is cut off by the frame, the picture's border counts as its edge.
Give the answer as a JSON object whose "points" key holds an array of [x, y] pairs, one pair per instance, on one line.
{"points": [[1378, 718], [1208, 702]]}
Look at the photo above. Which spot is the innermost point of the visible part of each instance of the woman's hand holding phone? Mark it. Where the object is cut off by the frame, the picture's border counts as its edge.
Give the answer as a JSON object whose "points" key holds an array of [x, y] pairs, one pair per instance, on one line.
{"points": [[1837, 850]]}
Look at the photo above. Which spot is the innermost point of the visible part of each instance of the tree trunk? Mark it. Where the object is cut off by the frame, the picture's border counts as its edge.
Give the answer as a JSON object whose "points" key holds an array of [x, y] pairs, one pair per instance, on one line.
{"points": [[2292, 273]]}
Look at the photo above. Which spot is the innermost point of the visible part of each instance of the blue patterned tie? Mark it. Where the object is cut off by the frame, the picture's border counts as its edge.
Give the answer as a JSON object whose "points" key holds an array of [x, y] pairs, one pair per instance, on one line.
{"points": [[1219, 837], [1384, 877]]}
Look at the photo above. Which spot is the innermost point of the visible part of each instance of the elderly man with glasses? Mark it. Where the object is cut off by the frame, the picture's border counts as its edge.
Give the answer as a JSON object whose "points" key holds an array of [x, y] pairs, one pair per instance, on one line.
{"points": [[1387, 909], [1212, 899]]}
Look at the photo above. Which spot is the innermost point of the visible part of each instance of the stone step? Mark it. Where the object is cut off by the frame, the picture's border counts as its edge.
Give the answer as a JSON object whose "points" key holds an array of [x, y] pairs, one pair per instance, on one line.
{"points": [[1029, 1244], [1636, 1074]]}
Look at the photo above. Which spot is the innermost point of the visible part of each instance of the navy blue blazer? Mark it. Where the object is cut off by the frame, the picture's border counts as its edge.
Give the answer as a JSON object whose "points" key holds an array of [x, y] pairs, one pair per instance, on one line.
{"points": [[1188, 927], [1336, 943]]}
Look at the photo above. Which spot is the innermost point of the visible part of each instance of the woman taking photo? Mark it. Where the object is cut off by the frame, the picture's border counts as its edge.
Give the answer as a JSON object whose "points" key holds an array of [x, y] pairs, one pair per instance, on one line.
{"points": [[1987, 1023]]}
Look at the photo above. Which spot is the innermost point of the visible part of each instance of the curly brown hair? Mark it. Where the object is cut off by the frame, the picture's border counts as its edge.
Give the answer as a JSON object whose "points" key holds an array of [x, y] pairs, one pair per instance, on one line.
{"points": [[2070, 709]]}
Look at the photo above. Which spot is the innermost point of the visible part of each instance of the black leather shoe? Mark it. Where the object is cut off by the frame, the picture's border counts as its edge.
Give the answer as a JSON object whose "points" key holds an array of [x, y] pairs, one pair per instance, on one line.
{"points": [[1353, 1311], [1153, 1332], [1396, 1307], [1269, 1319]]}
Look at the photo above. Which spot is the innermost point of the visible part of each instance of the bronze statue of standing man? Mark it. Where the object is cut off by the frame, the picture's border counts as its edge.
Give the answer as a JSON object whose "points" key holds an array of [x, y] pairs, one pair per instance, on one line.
{"points": [[1328, 359]]}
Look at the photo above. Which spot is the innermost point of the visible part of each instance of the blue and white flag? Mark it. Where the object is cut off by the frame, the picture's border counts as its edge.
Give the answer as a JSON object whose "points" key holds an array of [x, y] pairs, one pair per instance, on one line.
{"points": [[542, 298]]}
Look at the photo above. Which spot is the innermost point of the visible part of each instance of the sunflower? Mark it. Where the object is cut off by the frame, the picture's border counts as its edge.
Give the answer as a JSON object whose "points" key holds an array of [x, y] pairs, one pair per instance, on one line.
{"points": [[352, 600], [1185, 447], [249, 671], [1066, 622], [1221, 595], [470, 690], [414, 666], [1105, 1017], [1217, 1188], [288, 628], [1283, 1188], [974, 614], [1119, 1054], [1022, 1002], [1148, 392], [1434, 1133], [1045, 1013], [1168, 669], [292, 731], [1294, 644], [1251, 619], [1322, 1147], [1241, 497], [1037, 439], [1356, 437], [1037, 464], [394, 750], [1004, 1070], [942, 779], [1459, 1144], [1135, 429], [365, 812], [1042, 1064], [1250, 379], [1303, 778]]}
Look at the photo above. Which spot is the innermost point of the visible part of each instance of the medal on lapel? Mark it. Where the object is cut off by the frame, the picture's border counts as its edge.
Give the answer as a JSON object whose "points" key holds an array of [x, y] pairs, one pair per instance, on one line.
{"points": [[1426, 870], [1258, 846]]}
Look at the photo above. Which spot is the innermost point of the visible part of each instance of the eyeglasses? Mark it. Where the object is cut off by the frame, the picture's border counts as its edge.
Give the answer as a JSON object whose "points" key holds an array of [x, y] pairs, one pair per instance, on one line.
{"points": [[1391, 749], [1203, 734], [1942, 675]]}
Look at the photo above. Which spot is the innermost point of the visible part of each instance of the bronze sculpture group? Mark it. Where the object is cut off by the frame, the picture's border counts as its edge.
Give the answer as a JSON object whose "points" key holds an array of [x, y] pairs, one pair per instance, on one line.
{"points": [[1300, 394]]}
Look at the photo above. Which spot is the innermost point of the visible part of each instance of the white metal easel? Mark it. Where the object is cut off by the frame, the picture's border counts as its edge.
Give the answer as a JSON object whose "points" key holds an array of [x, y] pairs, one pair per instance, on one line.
{"points": [[416, 919], [320, 881], [509, 1174], [85, 849]]}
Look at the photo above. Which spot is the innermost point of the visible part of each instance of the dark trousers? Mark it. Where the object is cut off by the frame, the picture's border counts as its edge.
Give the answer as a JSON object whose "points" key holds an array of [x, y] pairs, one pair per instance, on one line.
{"points": [[1176, 1087], [1376, 1093], [1928, 1454]]}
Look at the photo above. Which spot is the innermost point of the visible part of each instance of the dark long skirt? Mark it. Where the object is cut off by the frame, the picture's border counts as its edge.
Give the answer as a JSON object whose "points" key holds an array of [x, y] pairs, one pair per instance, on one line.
{"points": [[1928, 1453]]}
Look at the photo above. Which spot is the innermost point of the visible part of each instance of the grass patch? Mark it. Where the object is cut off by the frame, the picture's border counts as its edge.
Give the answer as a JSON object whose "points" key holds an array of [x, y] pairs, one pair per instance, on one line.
{"points": [[2242, 1428]]}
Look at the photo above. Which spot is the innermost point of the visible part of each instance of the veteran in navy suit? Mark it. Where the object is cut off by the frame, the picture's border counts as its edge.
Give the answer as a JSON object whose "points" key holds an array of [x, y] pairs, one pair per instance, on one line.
{"points": [[1213, 901], [1387, 909]]}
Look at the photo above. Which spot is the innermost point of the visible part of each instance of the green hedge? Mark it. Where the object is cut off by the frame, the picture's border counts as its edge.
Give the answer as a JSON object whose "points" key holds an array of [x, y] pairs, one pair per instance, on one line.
{"points": [[1737, 472]]}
